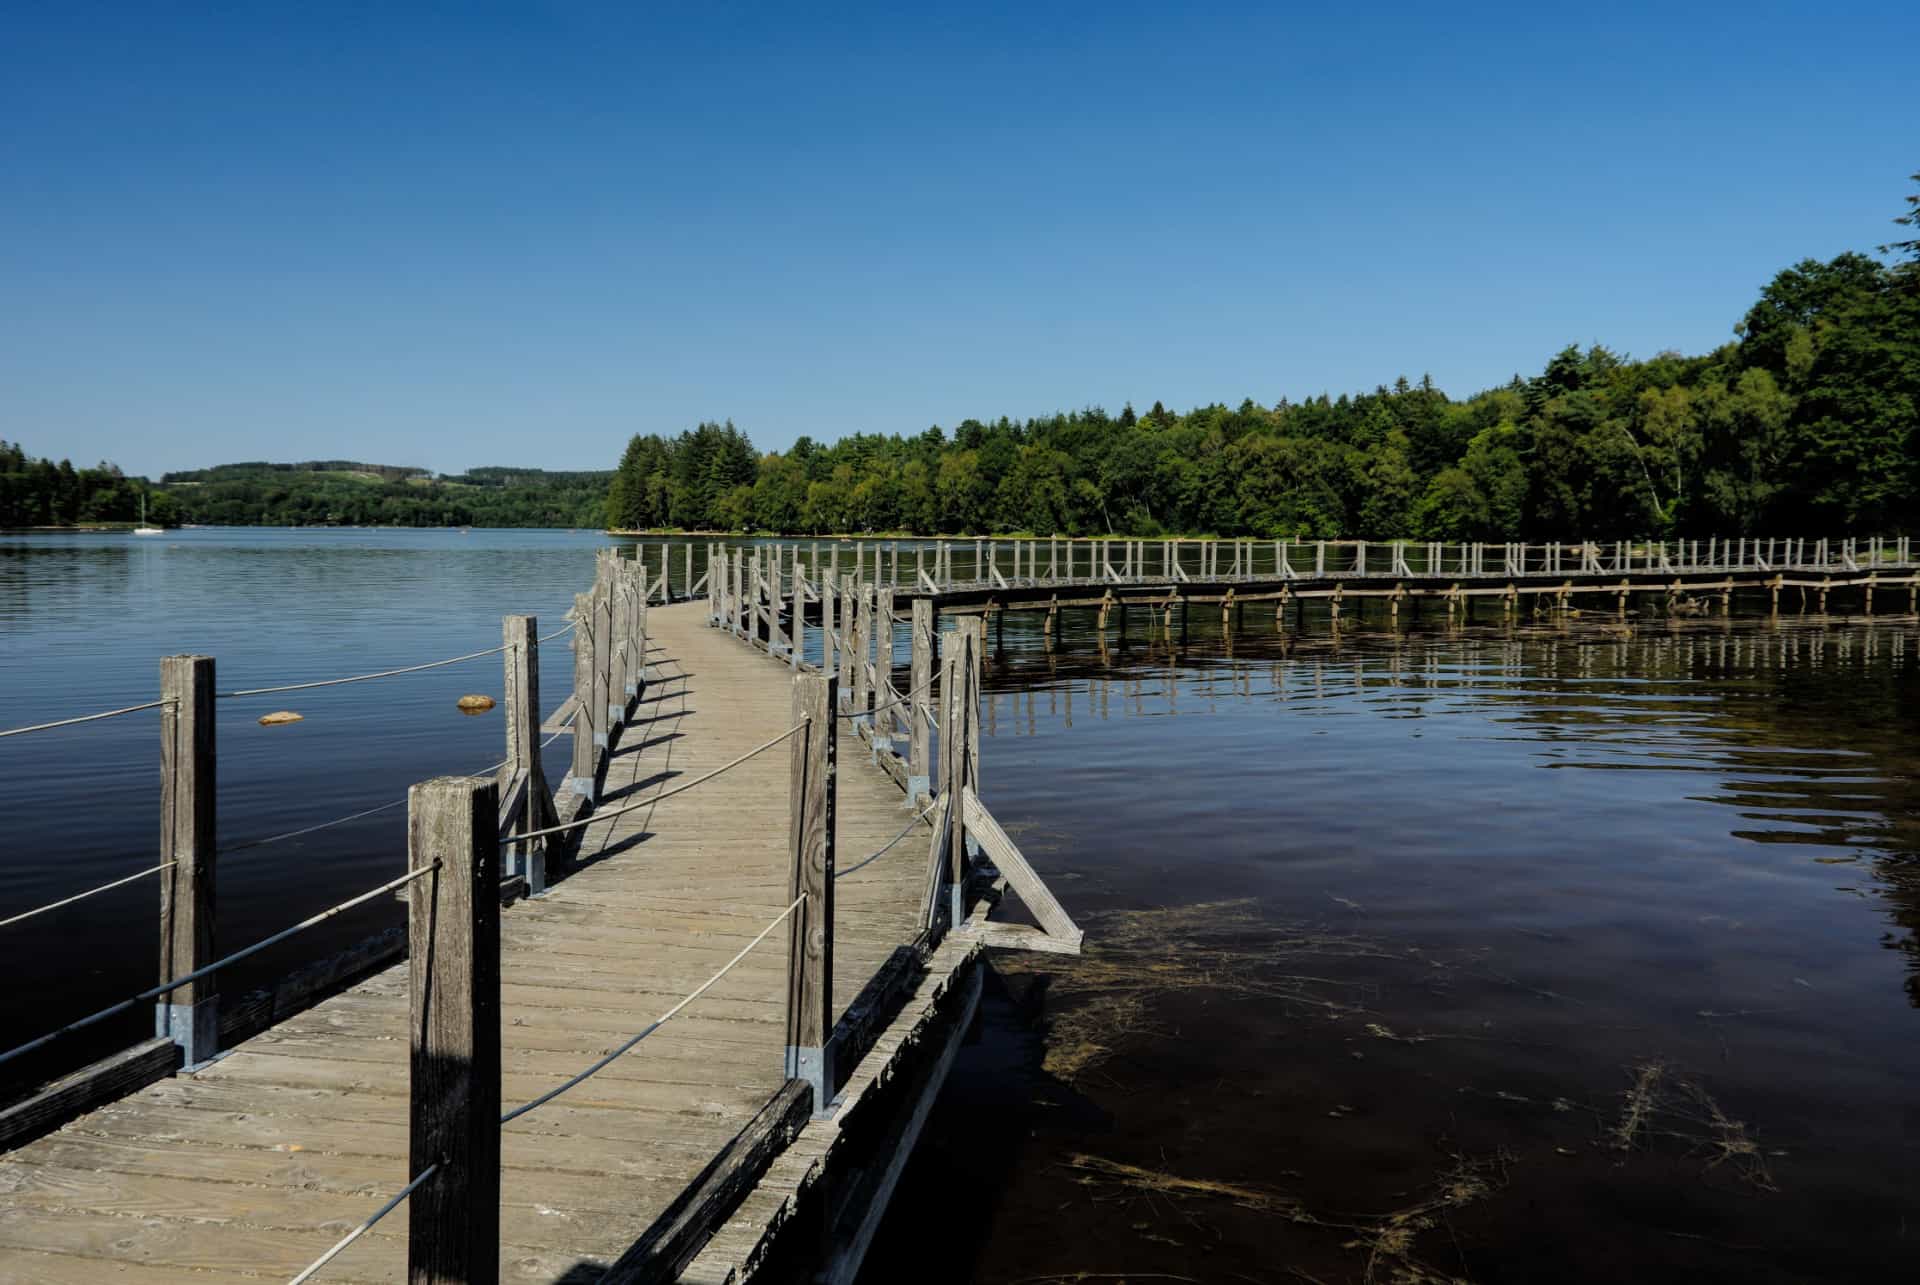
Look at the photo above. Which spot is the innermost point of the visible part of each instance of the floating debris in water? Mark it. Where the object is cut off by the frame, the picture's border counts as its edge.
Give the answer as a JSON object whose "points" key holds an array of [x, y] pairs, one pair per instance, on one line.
{"points": [[474, 704], [281, 716]]}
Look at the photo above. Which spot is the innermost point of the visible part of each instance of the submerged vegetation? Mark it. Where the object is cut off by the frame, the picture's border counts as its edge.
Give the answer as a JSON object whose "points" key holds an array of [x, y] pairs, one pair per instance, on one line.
{"points": [[1807, 423]]}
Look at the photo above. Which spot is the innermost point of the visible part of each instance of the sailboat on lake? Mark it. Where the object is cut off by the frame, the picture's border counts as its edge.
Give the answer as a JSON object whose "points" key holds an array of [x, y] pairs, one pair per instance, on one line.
{"points": [[143, 528]]}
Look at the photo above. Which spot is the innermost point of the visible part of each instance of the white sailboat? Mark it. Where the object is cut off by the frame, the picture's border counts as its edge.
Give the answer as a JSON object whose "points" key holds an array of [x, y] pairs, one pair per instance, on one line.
{"points": [[143, 528]]}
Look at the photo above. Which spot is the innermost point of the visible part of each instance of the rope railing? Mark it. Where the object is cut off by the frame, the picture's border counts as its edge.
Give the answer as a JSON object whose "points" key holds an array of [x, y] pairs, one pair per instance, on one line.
{"points": [[355, 816], [362, 678], [657, 1022], [885, 848], [82, 896], [683, 787], [84, 718], [901, 699], [367, 1225], [154, 992]]}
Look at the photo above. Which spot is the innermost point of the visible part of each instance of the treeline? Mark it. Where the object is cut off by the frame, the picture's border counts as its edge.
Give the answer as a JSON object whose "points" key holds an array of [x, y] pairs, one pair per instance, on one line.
{"points": [[1805, 424], [37, 492], [381, 495]]}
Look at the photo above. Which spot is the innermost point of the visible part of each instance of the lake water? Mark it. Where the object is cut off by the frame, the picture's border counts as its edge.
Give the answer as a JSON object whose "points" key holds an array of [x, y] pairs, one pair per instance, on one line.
{"points": [[1497, 954], [1503, 953]]}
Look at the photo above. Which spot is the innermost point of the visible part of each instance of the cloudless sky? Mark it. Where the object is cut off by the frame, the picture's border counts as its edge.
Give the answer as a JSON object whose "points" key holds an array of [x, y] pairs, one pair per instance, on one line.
{"points": [[465, 233]]}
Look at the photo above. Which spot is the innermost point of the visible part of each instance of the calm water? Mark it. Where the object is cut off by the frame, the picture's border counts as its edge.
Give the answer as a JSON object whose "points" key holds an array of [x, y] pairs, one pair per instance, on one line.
{"points": [[1505, 954], [1501, 954]]}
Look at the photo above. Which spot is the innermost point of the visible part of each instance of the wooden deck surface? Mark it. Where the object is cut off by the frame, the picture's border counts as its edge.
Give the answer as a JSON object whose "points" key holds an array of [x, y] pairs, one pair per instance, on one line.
{"points": [[251, 1168]]}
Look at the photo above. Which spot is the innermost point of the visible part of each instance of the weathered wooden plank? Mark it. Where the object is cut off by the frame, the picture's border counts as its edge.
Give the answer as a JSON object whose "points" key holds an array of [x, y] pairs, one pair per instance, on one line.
{"points": [[82, 1090], [686, 1226]]}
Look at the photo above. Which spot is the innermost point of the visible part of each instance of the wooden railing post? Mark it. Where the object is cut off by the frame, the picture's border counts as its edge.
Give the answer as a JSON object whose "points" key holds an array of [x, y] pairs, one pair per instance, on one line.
{"points": [[863, 664], [581, 775], [637, 673], [797, 620], [829, 635], [453, 940], [615, 588], [952, 766], [190, 1014], [919, 779], [521, 634], [606, 713], [811, 794], [740, 594], [848, 641]]}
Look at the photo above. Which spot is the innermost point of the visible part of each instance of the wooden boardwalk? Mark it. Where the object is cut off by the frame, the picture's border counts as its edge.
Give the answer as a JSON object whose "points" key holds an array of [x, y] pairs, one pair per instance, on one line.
{"points": [[251, 1167]]}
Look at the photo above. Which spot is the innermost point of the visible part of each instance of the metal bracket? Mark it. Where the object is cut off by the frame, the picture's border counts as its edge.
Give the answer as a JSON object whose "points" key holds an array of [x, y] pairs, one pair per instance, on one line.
{"points": [[815, 1066], [194, 1027]]}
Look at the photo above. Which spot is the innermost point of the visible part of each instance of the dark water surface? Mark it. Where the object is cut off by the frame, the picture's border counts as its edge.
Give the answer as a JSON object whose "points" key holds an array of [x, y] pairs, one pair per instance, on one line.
{"points": [[1502, 954], [84, 619], [1506, 954]]}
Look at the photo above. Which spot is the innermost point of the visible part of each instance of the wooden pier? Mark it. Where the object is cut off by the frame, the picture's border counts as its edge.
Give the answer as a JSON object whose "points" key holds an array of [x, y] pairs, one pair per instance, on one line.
{"points": [[711, 979]]}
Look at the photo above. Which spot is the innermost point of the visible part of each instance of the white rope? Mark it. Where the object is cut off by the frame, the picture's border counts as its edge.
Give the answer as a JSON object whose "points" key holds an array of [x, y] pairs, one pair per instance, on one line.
{"points": [[84, 718], [871, 857], [324, 825], [564, 629], [153, 992], [664, 794], [657, 1022], [361, 678], [366, 1226], [82, 896], [898, 700]]}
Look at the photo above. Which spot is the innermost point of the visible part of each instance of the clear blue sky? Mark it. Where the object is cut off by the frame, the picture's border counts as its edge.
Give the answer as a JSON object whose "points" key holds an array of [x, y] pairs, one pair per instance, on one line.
{"points": [[468, 233]]}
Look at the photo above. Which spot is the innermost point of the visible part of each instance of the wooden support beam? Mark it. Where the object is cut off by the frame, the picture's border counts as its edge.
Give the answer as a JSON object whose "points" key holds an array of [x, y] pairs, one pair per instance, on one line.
{"points": [[189, 1015], [812, 764], [453, 931]]}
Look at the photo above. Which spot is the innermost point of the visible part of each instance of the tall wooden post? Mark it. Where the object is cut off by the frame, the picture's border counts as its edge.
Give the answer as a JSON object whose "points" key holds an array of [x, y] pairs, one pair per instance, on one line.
{"points": [[581, 774], [829, 631], [797, 622], [953, 758], [453, 939], [616, 590], [919, 739], [189, 1014], [811, 795], [863, 663], [606, 715], [521, 634], [848, 636]]}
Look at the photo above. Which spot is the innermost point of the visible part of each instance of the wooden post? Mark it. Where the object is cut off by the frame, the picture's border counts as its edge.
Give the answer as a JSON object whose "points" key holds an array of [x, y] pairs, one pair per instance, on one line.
{"points": [[797, 622], [616, 589], [811, 792], [581, 774], [863, 663], [453, 939], [953, 736], [605, 713], [188, 1015], [829, 633], [919, 739], [847, 653], [521, 690]]}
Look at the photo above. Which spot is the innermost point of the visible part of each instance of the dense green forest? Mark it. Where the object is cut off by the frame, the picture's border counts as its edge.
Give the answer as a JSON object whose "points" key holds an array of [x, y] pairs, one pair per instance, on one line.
{"points": [[35, 492], [1806, 423], [344, 493]]}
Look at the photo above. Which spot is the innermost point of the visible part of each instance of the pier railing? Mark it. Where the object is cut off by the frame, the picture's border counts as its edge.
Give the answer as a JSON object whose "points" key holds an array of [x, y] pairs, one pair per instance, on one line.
{"points": [[476, 842]]}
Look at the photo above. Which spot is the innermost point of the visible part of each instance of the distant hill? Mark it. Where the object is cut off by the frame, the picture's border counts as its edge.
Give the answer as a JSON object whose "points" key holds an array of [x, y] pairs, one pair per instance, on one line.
{"points": [[351, 493]]}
